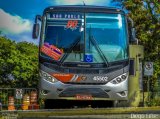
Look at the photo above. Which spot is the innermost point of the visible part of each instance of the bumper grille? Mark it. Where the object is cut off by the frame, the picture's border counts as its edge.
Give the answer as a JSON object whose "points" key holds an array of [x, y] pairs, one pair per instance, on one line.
{"points": [[95, 92], [80, 83]]}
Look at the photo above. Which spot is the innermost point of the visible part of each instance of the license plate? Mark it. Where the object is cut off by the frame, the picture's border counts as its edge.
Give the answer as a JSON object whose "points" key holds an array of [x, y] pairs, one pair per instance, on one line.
{"points": [[84, 97]]}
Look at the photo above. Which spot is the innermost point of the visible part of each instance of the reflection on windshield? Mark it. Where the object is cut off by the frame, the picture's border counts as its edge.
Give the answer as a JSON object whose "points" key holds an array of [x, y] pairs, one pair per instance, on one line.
{"points": [[63, 32], [64, 39], [110, 34]]}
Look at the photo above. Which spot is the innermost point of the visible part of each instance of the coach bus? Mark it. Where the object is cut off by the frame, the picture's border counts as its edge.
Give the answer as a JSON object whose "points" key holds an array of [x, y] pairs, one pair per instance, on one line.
{"points": [[88, 53]]}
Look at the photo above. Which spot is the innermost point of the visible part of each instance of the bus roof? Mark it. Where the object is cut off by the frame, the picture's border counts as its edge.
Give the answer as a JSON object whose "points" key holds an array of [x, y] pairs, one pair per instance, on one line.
{"points": [[82, 8]]}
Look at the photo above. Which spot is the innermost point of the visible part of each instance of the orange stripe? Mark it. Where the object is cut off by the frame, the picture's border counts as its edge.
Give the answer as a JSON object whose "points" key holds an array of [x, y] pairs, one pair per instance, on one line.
{"points": [[63, 77]]}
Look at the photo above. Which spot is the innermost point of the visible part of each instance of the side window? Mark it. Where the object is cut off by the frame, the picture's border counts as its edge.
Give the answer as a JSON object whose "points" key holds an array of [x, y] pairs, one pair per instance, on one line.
{"points": [[132, 67]]}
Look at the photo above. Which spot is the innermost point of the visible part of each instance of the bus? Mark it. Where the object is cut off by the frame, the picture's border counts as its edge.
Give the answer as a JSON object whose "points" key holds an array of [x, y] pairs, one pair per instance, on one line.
{"points": [[88, 53]]}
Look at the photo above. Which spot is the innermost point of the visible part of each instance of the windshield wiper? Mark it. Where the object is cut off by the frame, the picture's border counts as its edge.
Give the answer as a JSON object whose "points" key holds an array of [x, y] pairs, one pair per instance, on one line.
{"points": [[70, 49], [94, 42]]}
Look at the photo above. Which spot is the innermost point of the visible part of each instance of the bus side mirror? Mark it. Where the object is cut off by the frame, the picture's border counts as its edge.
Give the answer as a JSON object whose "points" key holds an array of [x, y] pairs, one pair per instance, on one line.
{"points": [[36, 27], [35, 32], [132, 32]]}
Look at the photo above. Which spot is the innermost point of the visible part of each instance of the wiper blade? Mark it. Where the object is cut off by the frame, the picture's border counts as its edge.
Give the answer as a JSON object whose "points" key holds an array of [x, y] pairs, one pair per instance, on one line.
{"points": [[70, 49], [94, 42]]}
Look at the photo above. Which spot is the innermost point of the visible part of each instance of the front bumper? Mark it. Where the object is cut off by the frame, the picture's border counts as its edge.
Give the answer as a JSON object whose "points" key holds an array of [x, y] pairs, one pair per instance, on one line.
{"points": [[60, 90]]}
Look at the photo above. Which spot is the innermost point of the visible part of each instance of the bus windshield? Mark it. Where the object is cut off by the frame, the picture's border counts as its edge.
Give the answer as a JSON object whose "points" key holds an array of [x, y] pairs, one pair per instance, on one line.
{"points": [[85, 37]]}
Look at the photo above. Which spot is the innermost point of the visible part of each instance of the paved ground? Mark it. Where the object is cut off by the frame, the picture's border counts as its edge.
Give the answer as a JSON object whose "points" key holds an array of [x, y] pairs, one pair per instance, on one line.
{"points": [[113, 113], [109, 116], [88, 117]]}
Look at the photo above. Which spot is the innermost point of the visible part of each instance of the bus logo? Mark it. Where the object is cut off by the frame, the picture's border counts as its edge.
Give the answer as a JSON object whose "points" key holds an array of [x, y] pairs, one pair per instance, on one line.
{"points": [[72, 24]]}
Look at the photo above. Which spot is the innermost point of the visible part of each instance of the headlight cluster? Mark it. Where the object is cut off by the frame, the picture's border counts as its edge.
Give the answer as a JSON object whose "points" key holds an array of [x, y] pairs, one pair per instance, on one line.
{"points": [[120, 78], [47, 77]]}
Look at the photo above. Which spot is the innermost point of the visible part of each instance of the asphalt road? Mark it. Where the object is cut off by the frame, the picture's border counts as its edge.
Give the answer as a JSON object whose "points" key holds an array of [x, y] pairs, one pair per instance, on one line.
{"points": [[108, 116], [88, 117], [112, 113]]}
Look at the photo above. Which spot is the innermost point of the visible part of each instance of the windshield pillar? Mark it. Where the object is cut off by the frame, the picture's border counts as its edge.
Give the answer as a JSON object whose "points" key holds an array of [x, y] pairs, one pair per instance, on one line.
{"points": [[84, 52]]}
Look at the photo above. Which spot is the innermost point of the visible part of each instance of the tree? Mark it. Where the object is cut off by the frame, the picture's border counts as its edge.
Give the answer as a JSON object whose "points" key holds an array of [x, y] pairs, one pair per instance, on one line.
{"points": [[19, 64], [147, 24], [26, 69], [6, 49]]}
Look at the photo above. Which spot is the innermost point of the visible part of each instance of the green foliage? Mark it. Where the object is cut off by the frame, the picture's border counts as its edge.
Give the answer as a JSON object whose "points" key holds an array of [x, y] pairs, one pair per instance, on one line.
{"points": [[153, 102], [19, 64], [144, 14]]}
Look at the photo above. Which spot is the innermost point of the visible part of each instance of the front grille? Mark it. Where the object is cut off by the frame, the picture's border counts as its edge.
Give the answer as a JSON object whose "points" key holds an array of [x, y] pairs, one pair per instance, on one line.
{"points": [[95, 92]]}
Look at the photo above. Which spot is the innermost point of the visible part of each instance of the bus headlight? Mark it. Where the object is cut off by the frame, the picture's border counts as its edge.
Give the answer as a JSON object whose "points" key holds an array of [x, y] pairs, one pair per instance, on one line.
{"points": [[47, 77], [119, 79]]}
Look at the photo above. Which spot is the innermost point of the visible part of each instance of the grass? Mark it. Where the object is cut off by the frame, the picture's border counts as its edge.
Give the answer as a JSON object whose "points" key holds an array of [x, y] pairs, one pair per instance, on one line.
{"points": [[87, 111]]}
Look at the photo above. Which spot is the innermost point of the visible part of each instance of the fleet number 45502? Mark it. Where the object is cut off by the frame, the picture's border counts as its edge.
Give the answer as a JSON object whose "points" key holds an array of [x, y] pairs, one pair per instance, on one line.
{"points": [[100, 78]]}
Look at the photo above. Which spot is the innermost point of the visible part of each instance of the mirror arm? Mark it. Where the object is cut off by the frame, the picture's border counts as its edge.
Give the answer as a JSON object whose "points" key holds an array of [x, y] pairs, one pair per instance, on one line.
{"points": [[38, 17], [131, 21]]}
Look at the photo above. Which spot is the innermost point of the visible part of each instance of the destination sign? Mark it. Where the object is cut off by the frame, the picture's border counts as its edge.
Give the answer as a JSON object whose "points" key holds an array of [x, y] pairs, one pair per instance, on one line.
{"points": [[65, 16]]}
